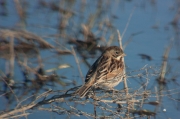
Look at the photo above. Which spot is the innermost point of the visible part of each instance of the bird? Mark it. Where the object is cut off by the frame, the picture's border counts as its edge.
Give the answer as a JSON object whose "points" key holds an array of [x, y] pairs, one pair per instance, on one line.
{"points": [[106, 72]]}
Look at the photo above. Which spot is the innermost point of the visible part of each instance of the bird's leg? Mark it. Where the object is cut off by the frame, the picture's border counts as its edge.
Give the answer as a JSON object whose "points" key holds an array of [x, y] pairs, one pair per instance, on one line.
{"points": [[94, 93], [113, 90]]}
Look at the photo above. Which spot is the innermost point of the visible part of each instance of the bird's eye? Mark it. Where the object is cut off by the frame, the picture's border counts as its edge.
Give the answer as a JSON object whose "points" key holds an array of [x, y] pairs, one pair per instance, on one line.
{"points": [[117, 52]]}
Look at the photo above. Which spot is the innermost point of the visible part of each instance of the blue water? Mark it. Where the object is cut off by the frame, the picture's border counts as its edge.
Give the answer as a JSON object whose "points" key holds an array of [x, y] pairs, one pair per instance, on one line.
{"points": [[149, 31]]}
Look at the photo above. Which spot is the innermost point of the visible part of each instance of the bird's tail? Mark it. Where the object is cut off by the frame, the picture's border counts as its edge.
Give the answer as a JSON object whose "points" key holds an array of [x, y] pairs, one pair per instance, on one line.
{"points": [[82, 91]]}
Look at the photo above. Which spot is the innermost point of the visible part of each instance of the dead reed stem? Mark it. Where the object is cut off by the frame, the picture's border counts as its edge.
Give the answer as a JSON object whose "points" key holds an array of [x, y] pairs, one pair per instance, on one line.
{"points": [[78, 64]]}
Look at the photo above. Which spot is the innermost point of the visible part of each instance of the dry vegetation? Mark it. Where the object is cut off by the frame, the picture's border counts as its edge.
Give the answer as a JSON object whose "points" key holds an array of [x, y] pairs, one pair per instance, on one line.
{"points": [[21, 50]]}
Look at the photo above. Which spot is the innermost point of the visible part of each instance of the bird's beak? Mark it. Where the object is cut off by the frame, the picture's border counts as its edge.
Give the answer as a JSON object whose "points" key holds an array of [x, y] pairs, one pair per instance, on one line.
{"points": [[123, 55]]}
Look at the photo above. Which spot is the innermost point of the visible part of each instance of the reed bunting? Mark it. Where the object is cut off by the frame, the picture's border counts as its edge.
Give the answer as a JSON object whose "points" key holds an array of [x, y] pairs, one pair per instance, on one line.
{"points": [[106, 72]]}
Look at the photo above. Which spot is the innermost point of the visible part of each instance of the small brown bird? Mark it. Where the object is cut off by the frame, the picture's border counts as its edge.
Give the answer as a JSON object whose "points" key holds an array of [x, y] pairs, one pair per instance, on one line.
{"points": [[106, 72]]}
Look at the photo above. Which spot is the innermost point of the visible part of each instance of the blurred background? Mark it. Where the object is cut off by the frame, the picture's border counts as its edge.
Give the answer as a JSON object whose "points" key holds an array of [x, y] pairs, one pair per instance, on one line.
{"points": [[50, 45]]}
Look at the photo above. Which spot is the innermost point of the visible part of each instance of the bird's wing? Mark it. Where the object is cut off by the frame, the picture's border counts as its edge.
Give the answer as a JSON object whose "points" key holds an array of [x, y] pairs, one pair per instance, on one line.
{"points": [[99, 66]]}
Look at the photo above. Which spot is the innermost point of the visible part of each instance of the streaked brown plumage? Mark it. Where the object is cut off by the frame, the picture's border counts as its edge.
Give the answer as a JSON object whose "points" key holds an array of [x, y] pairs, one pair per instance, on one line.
{"points": [[106, 72]]}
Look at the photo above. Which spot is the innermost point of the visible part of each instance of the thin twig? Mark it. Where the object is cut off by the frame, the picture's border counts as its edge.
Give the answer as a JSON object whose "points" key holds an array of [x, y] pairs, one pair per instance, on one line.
{"points": [[161, 78], [15, 111], [77, 62], [164, 63], [95, 114], [10, 88], [125, 79], [12, 56], [127, 24]]}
